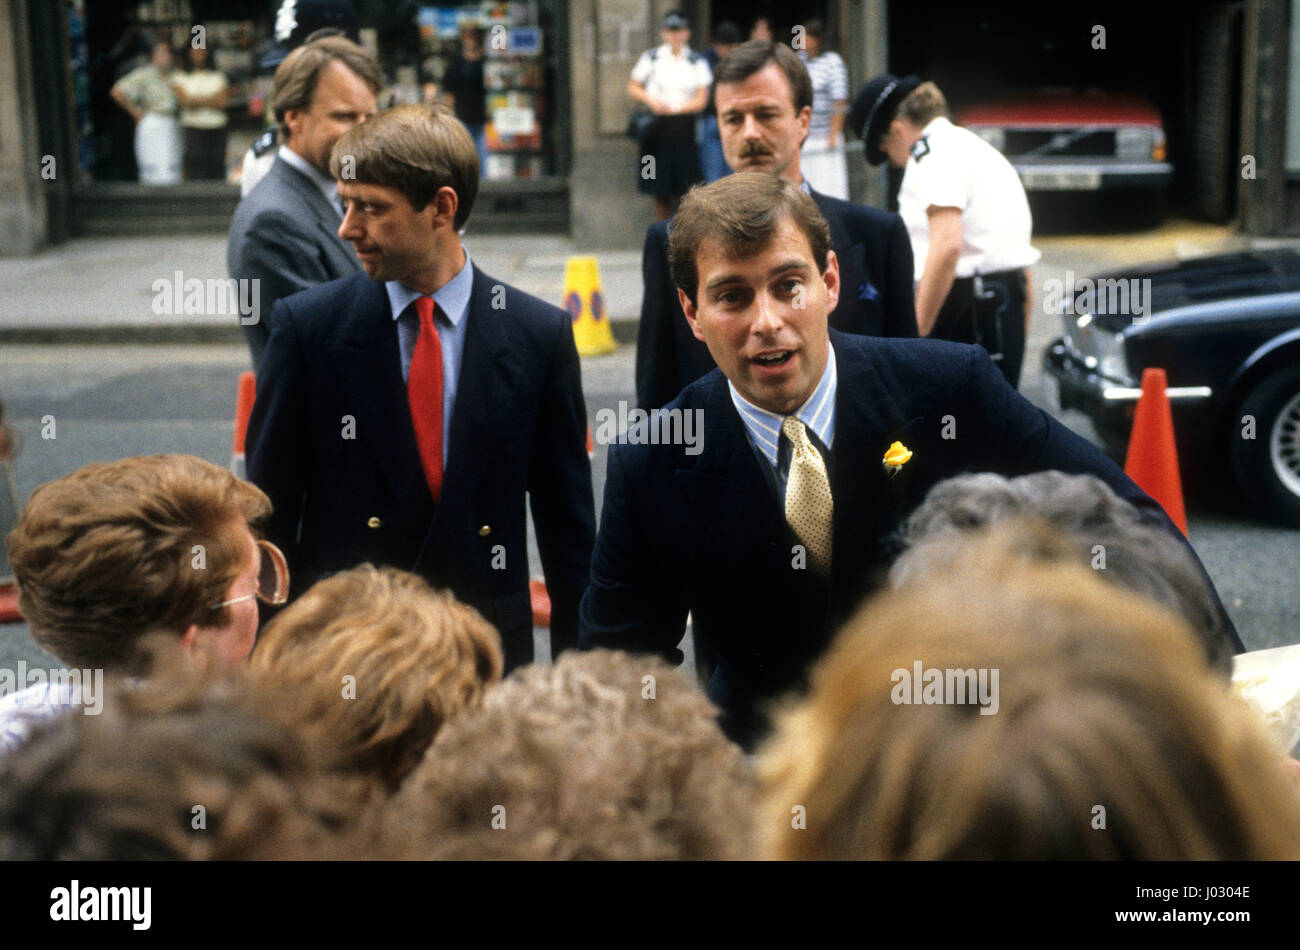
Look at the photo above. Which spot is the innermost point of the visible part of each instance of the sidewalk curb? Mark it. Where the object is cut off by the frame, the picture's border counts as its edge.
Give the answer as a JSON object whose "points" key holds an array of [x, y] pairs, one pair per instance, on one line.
{"points": [[200, 334]]}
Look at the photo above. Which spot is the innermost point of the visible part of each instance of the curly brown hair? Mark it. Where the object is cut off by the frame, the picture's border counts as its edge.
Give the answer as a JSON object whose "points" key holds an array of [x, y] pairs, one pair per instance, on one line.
{"points": [[185, 765], [600, 756], [373, 662], [118, 548]]}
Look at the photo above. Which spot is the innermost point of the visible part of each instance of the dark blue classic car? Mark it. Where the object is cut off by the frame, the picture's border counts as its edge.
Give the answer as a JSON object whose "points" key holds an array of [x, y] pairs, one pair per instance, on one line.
{"points": [[1226, 330]]}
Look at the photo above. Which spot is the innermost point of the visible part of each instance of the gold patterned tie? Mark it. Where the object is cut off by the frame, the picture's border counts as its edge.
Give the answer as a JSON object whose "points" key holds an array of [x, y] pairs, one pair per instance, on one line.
{"points": [[809, 508]]}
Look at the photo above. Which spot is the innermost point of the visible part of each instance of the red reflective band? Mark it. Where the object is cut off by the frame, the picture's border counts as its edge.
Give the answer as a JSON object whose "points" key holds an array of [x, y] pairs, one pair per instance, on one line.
{"points": [[424, 394]]}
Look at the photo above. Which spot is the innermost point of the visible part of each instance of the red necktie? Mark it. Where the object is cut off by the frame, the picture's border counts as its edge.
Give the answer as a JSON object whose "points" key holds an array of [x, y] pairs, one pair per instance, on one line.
{"points": [[424, 393]]}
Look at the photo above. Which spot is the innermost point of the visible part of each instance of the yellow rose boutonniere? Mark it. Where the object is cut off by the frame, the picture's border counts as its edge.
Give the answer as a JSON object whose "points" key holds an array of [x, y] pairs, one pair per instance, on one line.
{"points": [[897, 456]]}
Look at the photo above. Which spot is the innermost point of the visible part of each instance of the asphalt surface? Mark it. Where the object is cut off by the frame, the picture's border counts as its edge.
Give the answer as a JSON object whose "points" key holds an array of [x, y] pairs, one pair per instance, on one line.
{"points": [[114, 399]]}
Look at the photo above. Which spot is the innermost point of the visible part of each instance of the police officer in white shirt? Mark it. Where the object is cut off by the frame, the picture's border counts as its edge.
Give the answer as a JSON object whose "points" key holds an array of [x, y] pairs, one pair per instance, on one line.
{"points": [[672, 81], [966, 213]]}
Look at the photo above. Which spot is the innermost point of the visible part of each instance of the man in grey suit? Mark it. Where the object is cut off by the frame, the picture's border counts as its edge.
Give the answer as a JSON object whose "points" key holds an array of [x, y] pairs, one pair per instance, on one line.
{"points": [[285, 231]]}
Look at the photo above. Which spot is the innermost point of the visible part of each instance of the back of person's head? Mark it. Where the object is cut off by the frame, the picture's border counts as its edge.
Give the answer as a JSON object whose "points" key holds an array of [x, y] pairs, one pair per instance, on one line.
{"points": [[601, 756], [1102, 530], [294, 85], [416, 149], [749, 57], [727, 33], [1022, 709], [120, 548], [181, 767], [739, 214], [373, 662], [922, 105]]}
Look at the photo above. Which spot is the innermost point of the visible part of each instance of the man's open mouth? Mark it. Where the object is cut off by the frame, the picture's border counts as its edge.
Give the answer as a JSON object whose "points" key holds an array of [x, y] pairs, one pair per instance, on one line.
{"points": [[774, 359]]}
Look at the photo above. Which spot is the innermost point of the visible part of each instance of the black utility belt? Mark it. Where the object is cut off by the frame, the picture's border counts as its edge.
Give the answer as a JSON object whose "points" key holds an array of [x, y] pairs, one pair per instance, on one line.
{"points": [[997, 277]]}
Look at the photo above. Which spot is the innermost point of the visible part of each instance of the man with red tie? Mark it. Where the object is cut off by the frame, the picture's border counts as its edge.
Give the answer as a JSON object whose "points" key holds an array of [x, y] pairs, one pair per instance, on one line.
{"points": [[403, 414]]}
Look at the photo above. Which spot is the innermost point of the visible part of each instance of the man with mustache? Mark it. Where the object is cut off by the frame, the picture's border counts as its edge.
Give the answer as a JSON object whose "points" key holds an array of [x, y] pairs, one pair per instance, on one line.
{"points": [[764, 102]]}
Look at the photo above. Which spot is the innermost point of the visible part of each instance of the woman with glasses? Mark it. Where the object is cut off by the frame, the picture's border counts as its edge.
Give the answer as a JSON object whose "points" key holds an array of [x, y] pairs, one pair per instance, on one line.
{"points": [[118, 550]]}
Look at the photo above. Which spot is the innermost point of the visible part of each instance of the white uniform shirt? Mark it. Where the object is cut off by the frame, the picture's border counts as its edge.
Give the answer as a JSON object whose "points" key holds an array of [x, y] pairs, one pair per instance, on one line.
{"points": [[202, 84], [952, 167], [672, 79]]}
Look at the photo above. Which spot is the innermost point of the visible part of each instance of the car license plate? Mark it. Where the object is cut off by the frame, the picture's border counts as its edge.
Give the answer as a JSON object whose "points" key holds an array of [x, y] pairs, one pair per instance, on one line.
{"points": [[1043, 179]]}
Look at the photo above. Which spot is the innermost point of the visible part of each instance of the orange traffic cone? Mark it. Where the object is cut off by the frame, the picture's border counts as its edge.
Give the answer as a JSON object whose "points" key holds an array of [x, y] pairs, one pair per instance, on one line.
{"points": [[541, 602], [9, 612], [243, 410], [1152, 455]]}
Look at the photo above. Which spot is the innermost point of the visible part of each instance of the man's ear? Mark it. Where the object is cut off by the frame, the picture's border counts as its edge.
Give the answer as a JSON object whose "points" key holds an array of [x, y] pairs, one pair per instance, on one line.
{"points": [[190, 638], [805, 120], [692, 314], [832, 280], [445, 203], [292, 122]]}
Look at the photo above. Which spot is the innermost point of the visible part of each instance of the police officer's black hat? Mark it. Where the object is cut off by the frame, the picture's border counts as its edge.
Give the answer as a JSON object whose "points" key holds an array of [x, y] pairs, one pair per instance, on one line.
{"points": [[295, 20], [674, 20], [874, 108]]}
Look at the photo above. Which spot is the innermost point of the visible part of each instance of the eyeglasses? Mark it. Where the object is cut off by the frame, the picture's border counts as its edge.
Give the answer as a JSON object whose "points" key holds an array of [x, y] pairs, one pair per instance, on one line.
{"points": [[272, 578]]}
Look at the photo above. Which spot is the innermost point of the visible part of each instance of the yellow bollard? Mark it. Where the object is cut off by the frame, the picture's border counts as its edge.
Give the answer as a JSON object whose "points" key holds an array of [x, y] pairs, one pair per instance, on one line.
{"points": [[586, 305]]}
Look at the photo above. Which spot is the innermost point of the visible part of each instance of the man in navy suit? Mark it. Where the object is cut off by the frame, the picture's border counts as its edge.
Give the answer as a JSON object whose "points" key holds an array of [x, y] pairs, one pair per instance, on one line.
{"points": [[764, 103], [816, 444], [403, 414]]}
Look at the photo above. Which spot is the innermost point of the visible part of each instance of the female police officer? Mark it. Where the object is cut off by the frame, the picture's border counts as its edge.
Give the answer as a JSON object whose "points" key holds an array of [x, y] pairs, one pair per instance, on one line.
{"points": [[966, 213]]}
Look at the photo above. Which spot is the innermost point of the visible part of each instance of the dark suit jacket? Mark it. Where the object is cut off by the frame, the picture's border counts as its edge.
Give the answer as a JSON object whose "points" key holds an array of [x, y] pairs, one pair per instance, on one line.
{"points": [[876, 296], [285, 234], [705, 533], [331, 442]]}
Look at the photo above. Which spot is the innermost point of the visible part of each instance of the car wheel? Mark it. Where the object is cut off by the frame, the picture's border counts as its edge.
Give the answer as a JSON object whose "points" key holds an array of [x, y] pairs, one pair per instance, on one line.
{"points": [[1268, 466]]}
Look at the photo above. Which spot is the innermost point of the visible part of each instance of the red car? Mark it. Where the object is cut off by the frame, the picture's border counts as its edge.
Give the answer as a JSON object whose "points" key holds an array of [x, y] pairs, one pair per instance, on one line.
{"points": [[1065, 141]]}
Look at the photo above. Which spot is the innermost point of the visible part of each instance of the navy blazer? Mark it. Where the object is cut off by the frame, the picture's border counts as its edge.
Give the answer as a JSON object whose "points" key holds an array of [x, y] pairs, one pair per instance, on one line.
{"points": [[331, 442], [876, 296], [705, 533], [285, 234]]}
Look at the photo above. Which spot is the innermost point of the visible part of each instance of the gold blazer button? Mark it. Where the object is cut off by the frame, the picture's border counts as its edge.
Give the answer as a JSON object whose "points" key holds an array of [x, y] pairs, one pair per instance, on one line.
{"points": [[484, 531], [374, 522]]}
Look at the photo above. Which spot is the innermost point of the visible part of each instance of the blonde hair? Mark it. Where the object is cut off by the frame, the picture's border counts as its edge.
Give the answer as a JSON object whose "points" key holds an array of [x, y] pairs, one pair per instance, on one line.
{"points": [[922, 105], [294, 85], [375, 662], [1111, 738]]}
